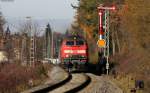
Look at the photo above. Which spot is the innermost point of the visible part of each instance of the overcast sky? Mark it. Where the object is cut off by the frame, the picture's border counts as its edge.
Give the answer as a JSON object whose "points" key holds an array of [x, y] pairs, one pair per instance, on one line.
{"points": [[43, 9]]}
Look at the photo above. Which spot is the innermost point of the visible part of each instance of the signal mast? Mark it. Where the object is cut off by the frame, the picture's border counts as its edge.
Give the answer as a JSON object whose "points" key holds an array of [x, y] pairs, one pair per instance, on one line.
{"points": [[103, 41]]}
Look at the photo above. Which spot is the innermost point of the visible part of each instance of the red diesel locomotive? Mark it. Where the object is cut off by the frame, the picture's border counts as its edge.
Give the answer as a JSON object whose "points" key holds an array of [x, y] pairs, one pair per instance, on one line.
{"points": [[74, 53]]}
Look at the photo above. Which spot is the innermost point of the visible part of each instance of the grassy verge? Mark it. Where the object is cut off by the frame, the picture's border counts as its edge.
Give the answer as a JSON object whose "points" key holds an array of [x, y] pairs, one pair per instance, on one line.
{"points": [[132, 67], [15, 78]]}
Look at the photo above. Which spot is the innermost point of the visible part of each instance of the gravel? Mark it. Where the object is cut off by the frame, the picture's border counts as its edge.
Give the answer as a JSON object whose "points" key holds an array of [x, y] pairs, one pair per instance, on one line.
{"points": [[101, 84], [77, 80], [56, 74]]}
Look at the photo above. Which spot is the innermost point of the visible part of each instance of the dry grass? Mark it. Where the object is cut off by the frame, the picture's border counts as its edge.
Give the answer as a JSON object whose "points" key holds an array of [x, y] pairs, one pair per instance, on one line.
{"points": [[15, 78], [135, 65]]}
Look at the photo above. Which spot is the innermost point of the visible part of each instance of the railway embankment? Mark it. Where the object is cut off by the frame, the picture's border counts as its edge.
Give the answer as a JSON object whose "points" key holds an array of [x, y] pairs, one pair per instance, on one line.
{"points": [[57, 76], [101, 84], [78, 82]]}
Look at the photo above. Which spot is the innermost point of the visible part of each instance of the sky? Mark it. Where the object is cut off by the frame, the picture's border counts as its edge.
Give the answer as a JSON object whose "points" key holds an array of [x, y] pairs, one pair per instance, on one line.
{"points": [[38, 9], [58, 13]]}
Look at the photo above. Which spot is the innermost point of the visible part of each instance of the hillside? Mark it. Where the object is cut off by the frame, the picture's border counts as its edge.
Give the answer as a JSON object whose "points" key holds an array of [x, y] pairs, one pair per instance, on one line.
{"points": [[130, 34]]}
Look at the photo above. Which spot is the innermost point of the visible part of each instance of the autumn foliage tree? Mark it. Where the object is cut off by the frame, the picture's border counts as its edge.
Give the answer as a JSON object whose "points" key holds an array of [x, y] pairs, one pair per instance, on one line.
{"points": [[87, 18], [135, 22], [129, 32]]}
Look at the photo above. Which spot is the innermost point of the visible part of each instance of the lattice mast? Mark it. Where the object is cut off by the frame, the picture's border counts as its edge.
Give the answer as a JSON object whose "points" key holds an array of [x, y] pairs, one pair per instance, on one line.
{"points": [[32, 43]]}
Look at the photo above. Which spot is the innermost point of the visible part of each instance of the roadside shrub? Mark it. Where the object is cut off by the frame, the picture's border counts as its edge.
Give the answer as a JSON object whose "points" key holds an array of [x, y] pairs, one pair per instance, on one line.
{"points": [[15, 78]]}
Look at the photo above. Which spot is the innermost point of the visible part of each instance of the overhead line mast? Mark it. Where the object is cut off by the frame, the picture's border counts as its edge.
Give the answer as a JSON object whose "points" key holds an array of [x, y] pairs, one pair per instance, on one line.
{"points": [[32, 43]]}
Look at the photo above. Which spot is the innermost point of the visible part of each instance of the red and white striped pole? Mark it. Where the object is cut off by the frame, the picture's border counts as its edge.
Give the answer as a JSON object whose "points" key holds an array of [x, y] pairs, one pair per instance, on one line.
{"points": [[100, 12], [100, 24]]}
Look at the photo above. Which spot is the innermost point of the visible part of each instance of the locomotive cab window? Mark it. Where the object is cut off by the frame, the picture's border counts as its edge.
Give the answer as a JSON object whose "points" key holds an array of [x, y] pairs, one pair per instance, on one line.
{"points": [[79, 42], [69, 43]]}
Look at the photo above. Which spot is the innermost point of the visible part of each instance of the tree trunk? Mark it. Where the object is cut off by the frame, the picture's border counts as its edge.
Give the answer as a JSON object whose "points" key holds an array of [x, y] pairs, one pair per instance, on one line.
{"points": [[113, 44], [118, 43]]}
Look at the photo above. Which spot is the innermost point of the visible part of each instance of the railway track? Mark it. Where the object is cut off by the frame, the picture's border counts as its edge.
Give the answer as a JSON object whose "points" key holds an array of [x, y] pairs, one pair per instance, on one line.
{"points": [[71, 83], [75, 84]]}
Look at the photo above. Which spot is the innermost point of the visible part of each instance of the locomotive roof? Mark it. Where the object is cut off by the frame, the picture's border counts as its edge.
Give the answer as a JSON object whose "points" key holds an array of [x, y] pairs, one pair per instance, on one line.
{"points": [[73, 37]]}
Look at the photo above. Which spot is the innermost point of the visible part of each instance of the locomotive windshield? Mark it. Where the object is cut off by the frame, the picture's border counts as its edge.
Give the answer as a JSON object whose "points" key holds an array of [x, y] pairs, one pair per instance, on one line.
{"points": [[79, 42], [69, 43]]}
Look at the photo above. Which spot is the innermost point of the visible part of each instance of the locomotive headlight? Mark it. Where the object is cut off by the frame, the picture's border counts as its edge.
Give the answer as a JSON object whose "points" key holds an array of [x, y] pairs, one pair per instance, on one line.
{"points": [[67, 55], [81, 51], [68, 51]]}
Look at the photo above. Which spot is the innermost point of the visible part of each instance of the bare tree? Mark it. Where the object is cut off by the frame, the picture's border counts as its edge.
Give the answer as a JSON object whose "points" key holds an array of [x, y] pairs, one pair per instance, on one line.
{"points": [[29, 30]]}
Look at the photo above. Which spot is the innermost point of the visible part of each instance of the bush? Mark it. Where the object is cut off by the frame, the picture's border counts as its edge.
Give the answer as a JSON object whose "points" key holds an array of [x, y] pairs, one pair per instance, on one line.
{"points": [[15, 78]]}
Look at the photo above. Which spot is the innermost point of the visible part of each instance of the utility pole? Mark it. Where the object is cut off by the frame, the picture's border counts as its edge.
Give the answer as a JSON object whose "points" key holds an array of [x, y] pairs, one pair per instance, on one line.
{"points": [[32, 43], [104, 43], [44, 46], [52, 46]]}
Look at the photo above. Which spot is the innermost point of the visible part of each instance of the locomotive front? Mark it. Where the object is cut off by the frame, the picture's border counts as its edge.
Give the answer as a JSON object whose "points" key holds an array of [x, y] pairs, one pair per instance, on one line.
{"points": [[74, 53]]}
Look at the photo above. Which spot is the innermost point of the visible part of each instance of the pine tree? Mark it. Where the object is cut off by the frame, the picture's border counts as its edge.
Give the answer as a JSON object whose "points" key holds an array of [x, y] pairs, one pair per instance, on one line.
{"points": [[48, 41]]}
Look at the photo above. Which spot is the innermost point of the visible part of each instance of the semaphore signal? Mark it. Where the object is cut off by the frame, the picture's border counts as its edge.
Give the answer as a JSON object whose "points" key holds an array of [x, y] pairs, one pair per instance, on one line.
{"points": [[104, 43], [107, 8]]}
